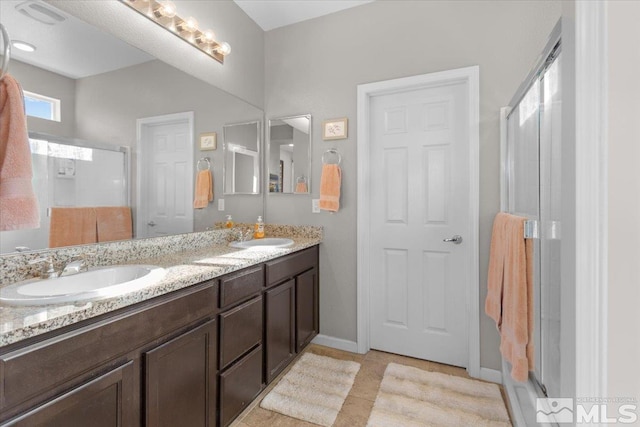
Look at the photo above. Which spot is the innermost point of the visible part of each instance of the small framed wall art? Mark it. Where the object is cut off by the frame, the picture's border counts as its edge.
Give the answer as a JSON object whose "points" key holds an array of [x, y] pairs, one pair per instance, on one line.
{"points": [[208, 141], [335, 129]]}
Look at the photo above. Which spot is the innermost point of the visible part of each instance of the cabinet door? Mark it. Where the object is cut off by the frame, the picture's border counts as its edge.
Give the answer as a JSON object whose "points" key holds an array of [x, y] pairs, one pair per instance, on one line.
{"points": [[181, 380], [279, 328], [306, 308], [106, 401], [239, 385]]}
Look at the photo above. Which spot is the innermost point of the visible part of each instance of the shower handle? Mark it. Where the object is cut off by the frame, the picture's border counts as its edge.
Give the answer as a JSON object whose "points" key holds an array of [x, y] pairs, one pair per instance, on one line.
{"points": [[457, 239]]}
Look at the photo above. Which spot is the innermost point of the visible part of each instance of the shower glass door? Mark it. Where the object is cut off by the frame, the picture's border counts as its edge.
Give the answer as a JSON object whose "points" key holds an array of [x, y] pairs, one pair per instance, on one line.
{"points": [[533, 181]]}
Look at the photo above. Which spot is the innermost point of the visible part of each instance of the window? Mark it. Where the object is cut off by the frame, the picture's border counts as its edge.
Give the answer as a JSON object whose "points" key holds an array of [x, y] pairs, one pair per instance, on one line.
{"points": [[42, 106]]}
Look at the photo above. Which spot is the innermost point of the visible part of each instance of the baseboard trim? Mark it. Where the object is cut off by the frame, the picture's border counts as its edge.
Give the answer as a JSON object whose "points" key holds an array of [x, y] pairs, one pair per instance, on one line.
{"points": [[491, 375], [337, 343]]}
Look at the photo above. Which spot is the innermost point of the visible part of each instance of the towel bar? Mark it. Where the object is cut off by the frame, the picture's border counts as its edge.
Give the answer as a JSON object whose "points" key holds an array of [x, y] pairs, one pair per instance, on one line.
{"points": [[329, 152], [207, 161], [6, 55], [531, 229]]}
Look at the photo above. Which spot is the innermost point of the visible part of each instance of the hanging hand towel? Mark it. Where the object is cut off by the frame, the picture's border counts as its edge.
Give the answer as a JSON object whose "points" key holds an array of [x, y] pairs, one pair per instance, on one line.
{"points": [[301, 187], [114, 223], [510, 292], [18, 203], [72, 226], [204, 189], [330, 188], [497, 249]]}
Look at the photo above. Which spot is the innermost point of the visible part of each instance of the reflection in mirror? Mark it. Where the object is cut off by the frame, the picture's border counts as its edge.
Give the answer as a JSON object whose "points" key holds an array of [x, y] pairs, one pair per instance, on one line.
{"points": [[242, 158], [290, 154], [103, 91], [70, 173]]}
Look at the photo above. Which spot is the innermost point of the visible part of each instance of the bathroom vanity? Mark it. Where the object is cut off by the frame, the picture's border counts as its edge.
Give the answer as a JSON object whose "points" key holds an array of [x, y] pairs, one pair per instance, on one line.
{"points": [[195, 356]]}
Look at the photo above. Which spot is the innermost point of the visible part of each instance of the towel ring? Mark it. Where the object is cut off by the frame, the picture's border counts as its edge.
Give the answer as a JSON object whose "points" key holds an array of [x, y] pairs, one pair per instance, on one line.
{"points": [[6, 55], [204, 160], [326, 157]]}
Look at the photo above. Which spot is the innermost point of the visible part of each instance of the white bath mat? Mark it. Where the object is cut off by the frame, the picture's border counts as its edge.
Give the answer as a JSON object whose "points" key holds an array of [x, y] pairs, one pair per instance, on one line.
{"points": [[411, 397], [313, 390]]}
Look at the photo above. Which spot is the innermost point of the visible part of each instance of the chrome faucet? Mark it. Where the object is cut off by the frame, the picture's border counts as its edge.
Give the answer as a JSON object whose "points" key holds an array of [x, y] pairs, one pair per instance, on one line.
{"points": [[47, 270], [76, 265], [241, 236], [247, 235]]}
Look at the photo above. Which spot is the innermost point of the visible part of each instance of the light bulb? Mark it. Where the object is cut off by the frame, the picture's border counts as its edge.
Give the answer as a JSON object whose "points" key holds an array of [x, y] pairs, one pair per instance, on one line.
{"points": [[224, 48], [190, 25], [166, 9], [207, 37]]}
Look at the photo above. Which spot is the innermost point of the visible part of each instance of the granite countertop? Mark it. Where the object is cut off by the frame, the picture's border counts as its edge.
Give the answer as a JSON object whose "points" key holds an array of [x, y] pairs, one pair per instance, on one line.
{"points": [[184, 268]]}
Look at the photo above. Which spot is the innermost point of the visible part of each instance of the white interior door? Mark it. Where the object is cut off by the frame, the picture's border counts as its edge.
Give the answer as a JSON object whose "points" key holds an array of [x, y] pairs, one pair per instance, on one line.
{"points": [[166, 193], [419, 197]]}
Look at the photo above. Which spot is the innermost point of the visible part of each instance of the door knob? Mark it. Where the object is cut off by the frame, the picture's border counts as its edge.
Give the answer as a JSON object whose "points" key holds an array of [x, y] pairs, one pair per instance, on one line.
{"points": [[457, 239], [151, 224]]}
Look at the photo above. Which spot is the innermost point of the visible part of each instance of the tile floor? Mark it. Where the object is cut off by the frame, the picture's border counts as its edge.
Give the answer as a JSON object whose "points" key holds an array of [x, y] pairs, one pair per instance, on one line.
{"points": [[357, 407]]}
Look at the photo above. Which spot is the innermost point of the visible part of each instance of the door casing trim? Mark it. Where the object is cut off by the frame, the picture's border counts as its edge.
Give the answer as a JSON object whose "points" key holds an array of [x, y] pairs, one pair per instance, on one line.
{"points": [[469, 76]]}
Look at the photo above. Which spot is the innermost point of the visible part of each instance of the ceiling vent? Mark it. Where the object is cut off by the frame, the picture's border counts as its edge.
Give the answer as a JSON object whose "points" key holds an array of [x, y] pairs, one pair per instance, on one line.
{"points": [[41, 12]]}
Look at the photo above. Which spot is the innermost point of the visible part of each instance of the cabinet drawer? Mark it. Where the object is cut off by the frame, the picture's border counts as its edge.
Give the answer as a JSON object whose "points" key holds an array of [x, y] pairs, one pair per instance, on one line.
{"points": [[240, 330], [291, 265], [239, 286], [240, 385], [37, 369]]}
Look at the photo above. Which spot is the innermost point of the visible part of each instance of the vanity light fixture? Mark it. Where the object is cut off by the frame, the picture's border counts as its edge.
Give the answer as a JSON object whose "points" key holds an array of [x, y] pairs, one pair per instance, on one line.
{"points": [[164, 13], [165, 8]]}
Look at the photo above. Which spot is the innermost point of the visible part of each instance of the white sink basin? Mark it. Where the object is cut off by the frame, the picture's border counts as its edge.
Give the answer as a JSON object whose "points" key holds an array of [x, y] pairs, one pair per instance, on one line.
{"points": [[98, 283], [269, 242]]}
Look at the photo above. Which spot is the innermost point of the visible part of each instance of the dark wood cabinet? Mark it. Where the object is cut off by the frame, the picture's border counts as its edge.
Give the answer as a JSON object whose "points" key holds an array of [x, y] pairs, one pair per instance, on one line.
{"points": [[194, 357], [307, 316], [240, 330], [239, 385], [106, 401], [180, 378], [280, 322]]}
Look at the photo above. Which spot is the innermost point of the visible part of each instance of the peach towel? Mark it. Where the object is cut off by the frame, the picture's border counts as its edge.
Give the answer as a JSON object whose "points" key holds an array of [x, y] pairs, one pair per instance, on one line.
{"points": [[204, 189], [330, 188], [114, 223], [72, 226], [18, 203], [510, 292], [301, 187]]}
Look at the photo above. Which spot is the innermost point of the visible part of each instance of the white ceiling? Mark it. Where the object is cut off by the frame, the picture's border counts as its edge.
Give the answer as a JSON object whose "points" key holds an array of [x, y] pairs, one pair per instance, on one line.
{"points": [[270, 14], [72, 47]]}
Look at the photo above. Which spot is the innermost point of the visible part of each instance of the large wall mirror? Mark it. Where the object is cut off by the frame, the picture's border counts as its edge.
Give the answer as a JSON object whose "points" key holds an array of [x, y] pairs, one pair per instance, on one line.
{"points": [[242, 158], [289, 155], [105, 87]]}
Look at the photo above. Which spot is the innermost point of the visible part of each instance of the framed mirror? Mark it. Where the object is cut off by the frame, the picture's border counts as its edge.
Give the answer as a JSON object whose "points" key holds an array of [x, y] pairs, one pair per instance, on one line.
{"points": [[88, 155], [242, 158], [289, 155]]}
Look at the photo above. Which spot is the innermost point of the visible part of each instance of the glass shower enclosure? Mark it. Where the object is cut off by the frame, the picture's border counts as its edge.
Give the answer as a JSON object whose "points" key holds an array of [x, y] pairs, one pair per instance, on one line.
{"points": [[533, 190]]}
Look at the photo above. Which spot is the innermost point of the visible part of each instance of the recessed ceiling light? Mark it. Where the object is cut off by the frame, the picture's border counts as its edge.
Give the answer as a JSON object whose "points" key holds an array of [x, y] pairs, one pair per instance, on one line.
{"points": [[27, 47], [290, 145]]}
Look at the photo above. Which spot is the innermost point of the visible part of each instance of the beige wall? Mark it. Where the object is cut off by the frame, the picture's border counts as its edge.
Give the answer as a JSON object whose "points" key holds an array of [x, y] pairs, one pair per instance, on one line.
{"points": [[315, 66], [243, 70], [43, 82], [624, 199], [109, 104]]}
